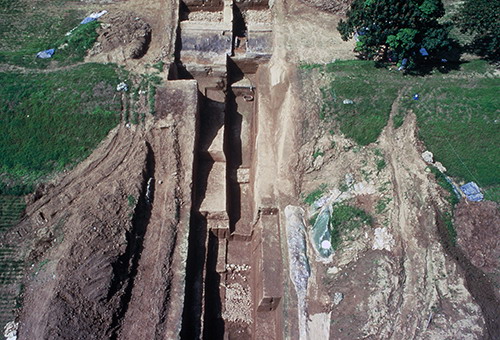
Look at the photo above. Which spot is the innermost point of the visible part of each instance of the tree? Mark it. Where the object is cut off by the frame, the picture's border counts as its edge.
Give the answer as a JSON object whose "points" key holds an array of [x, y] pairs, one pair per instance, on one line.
{"points": [[480, 18], [400, 27]]}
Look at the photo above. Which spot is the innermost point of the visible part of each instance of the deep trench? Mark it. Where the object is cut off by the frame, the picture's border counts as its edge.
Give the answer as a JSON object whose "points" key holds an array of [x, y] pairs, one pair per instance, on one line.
{"points": [[203, 245], [202, 258], [202, 313], [125, 268]]}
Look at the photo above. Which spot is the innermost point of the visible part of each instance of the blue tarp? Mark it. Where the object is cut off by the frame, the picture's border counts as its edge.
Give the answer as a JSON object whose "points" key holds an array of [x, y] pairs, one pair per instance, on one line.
{"points": [[87, 20], [92, 17], [46, 54], [404, 62], [423, 52], [472, 192]]}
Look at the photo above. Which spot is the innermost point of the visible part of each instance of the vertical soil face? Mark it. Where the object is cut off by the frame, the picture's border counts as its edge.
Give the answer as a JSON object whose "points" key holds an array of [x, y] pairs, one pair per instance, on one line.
{"points": [[478, 252]]}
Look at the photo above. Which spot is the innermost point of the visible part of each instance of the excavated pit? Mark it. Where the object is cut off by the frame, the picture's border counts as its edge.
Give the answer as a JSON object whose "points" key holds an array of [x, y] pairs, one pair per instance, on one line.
{"points": [[229, 292]]}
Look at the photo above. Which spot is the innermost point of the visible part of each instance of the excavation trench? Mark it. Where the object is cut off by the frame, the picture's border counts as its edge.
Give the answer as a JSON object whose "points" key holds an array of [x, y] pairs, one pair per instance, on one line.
{"points": [[224, 267]]}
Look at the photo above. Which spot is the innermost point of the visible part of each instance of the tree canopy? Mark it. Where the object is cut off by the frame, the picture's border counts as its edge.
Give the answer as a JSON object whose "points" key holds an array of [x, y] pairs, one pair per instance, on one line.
{"points": [[400, 27], [480, 18]]}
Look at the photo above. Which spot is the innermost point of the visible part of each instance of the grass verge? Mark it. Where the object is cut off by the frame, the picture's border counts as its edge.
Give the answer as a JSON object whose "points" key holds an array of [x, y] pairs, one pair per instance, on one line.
{"points": [[315, 194], [27, 27]]}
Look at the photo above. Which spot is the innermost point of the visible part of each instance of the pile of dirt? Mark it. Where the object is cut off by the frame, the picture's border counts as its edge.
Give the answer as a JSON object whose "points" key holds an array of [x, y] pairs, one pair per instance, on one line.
{"points": [[123, 34], [478, 227]]}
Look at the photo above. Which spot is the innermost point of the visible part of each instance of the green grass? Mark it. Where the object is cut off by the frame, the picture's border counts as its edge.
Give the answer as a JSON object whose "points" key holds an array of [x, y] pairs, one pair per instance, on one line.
{"points": [[457, 114], [27, 27], [446, 213], [318, 153], [371, 93], [315, 195], [77, 44], [381, 164], [11, 209], [382, 204], [131, 201], [459, 121], [346, 218], [53, 120]]}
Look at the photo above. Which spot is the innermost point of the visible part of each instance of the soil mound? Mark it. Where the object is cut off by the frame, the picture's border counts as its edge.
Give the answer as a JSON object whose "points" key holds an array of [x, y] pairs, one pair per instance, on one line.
{"points": [[123, 35]]}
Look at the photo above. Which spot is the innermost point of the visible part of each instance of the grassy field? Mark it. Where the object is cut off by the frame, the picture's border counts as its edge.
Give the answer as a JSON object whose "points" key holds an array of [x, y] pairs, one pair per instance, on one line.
{"points": [[458, 112], [50, 118], [27, 27], [53, 120], [11, 208]]}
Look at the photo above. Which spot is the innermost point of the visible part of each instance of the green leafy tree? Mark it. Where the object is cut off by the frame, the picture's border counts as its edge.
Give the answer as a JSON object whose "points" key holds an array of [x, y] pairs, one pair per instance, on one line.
{"points": [[480, 18], [402, 27]]}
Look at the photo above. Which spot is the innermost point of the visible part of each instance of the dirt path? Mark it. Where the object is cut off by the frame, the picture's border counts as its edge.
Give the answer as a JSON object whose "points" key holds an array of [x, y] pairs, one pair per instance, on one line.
{"points": [[421, 284], [151, 285], [21, 69]]}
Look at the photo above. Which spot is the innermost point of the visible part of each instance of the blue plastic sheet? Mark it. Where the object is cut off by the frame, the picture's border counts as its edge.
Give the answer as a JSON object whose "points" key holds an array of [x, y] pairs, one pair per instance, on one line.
{"points": [[87, 20], [46, 54], [92, 17], [423, 52], [472, 192]]}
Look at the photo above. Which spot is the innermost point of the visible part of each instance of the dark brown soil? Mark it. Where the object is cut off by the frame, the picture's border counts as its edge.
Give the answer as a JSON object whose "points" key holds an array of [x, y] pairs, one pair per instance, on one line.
{"points": [[478, 228]]}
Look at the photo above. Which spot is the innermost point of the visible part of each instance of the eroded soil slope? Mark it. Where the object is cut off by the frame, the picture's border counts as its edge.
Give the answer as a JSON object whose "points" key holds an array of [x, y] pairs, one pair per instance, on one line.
{"points": [[105, 232]]}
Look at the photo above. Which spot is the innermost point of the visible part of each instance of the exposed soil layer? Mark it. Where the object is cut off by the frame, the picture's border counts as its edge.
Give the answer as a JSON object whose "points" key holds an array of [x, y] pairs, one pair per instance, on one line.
{"points": [[126, 31], [478, 227], [335, 6], [477, 253]]}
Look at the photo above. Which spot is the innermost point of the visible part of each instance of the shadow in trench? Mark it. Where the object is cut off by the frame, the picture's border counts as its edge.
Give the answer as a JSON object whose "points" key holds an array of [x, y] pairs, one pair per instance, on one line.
{"points": [[203, 246], [125, 268], [213, 323], [233, 151]]}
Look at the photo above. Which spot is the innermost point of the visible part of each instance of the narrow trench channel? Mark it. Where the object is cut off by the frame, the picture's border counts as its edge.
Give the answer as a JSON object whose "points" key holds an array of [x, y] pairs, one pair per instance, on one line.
{"points": [[202, 306]]}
